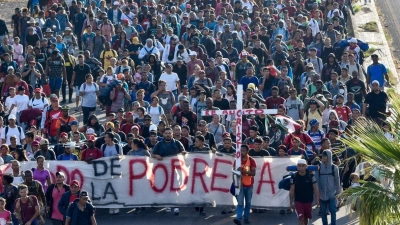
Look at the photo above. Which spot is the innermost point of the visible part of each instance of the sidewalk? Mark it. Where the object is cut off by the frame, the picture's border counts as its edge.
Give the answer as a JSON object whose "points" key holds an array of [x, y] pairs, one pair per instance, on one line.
{"points": [[376, 40]]}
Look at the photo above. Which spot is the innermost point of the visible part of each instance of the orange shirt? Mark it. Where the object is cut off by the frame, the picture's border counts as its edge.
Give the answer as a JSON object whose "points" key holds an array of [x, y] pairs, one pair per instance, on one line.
{"points": [[62, 120]]}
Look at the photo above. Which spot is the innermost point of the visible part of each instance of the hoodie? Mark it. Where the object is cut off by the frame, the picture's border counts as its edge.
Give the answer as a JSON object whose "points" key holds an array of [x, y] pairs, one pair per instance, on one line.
{"points": [[328, 185]]}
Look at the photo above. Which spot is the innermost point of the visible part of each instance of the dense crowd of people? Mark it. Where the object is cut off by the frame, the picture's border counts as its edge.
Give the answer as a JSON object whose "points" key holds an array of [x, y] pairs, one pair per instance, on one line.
{"points": [[152, 67]]}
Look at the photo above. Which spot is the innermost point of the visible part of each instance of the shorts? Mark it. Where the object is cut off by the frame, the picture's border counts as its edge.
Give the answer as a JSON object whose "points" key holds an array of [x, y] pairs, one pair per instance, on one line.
{"points": [[77, 91], [55, 83], [303, 210]]}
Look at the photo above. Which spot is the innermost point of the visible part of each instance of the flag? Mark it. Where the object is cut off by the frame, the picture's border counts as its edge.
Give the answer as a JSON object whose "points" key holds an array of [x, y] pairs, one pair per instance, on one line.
{"points": [[289, 124]]}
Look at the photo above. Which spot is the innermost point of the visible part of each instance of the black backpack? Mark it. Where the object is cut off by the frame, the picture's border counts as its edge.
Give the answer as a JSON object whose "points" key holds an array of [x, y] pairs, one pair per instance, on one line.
{"points": [[104, 95]]}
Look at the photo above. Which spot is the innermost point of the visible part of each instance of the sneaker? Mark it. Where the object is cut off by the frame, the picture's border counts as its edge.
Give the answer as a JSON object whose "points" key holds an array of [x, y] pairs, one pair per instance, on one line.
{"points": [[246, 221], [282, 211], [137, 210], [116, 211], [168, 209], [111, 211], [70, 101], [237, 222], [176, 211], [63, 101]]}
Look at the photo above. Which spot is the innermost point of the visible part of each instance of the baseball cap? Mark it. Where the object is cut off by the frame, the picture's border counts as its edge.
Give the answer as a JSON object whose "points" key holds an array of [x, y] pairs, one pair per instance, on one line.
{"points": [[90, 138], [75, 182], [116, 3], [44, 141], [63, 134], [83, 194], [179, 58], [12, 117], [135, 40], [74, 123], [129, 114], [90, 131], [375, 82], [59, 173], [314, 122], [352, 40], [35, 143], [121, 110], [10, 68], [301, 161], [193, 53], [153, 127], [38, 90], [133, 127], [53, 97], [65, 107]]}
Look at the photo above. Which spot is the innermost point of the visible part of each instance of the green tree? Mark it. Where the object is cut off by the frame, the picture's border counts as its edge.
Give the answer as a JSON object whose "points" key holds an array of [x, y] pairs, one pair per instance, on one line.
{"points": [[378, 203]]}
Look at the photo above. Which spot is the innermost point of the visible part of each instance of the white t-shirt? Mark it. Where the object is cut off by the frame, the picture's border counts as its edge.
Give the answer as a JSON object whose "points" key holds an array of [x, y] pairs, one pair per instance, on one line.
{"points": [[171, 80], [11, 132], [21, 102], [155, 114], [9, 102], [249, 6], [89, 98], [109, 78], [38, 103]]}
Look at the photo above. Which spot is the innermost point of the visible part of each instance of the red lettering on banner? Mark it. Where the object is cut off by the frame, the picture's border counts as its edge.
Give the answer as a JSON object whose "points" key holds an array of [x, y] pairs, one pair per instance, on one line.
{"points": [[207, 113], [77, 173], [181, 166], [2, 172], [153, 183], [199, 174], [239, 121], [271, 181], [218, 175], [225, 112], [238, 114], [133, 176], [248, 111]]}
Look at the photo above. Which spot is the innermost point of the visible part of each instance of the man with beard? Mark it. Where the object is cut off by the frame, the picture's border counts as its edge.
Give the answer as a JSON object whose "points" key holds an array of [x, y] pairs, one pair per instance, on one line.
{"points": [[168, 147], [275, 135], [186, 117], [91, 152], [178, 136], [209, 137]]}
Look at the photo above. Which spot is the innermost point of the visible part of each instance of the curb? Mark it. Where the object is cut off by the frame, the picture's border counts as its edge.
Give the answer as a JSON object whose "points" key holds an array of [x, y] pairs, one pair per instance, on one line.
{"points": [[382, 43]]}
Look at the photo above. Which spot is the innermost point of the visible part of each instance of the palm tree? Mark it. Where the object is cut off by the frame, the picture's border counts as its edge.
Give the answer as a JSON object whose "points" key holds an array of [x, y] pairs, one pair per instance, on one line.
{"points": [[379, 203]]}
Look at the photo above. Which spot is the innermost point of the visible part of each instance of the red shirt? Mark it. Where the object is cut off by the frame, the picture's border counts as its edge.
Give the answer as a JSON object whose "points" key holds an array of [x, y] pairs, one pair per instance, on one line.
{"points": [[274, 103], [72, 198], [94, 153], [304, 138], [343, 113]]}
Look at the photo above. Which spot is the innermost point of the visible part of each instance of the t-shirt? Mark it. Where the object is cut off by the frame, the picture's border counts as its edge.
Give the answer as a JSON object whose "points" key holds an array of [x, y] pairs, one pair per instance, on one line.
{"points": [[293, 108], [304, 138], [164, 148], [343, 113], [38, 103], [155, 113], [107, 55], [377, 72], [42, 176], [9, 102], [376, 103], [28, 207], [262, 152], [5, 216], [303, 191], [56, 194], [171, 80], [80, 74], [22, 102], [89, 98], [357, 89], [274, 103], [11, 132], [107, 78], [253, 164], [111, 150]]}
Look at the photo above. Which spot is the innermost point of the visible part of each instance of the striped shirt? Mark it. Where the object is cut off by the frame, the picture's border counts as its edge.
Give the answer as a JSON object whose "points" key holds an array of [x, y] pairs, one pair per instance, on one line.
{"points": [[316, 137]]}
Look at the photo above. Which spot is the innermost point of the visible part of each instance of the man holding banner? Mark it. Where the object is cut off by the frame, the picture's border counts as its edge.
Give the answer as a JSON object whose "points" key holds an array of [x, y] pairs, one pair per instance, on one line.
{"points": [[248, 170]]}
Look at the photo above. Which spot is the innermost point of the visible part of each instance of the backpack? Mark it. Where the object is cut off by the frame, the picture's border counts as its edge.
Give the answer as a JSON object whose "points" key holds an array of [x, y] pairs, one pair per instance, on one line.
{"points": [[318, 60], [117, 147], [358, 67], [32, 99], [104, 52], [104, 95], [332, 173], [159, 110], [65, 127], [84, 86], [285, 182], [145, 58], [6, 131]]}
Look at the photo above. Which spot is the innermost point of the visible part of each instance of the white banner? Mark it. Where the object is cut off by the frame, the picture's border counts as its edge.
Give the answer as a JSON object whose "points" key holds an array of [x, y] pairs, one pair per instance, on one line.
{"points": [[194, 179]]}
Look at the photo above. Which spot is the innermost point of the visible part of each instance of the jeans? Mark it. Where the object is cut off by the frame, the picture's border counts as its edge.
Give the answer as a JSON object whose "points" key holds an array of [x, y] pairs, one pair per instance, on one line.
{"points": [[56, 222], [175, 92], [331, 205], [55, 84], [245, 194]]}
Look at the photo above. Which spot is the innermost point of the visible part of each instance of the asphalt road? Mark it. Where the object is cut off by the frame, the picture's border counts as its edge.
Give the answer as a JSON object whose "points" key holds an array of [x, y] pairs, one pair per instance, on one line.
{"points": [[388, 9], [188, 216]]}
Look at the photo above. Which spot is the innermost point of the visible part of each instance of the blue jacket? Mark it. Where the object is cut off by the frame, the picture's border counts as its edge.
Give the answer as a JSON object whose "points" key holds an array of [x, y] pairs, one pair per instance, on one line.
{"points": [[64, 203], [49, 24], [110, 15], [73, 211]]}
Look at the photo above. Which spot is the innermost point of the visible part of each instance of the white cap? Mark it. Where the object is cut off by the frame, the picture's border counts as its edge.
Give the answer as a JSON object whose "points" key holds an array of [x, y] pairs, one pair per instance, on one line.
{"points": [[67, 29], [193, 53], [375, 82], [116, 3], [302, 161], [10, 67], [352, 40], [335, 10], [12, 117], [153, 127], [90, 131]]}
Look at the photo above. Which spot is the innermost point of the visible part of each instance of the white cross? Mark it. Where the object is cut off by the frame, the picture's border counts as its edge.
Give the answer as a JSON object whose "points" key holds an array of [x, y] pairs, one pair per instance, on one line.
{"points": [[239, 111]]}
